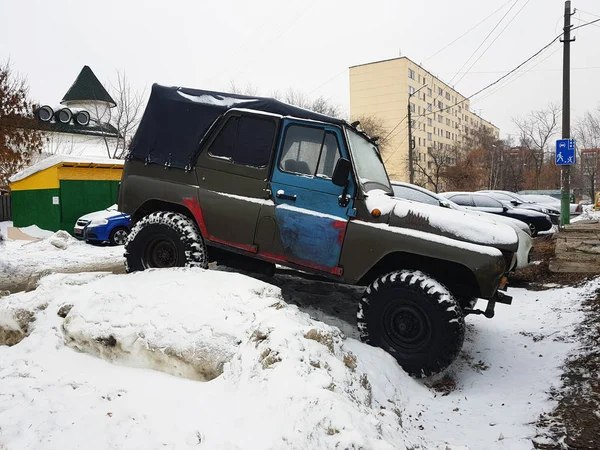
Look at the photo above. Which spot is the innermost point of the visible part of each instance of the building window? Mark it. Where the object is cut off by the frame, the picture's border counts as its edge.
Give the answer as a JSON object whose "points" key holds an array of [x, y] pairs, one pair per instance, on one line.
{"points": [[419, 142], [429, 106], [411, 90], [429, 136], [447, 135], [434, 130], [419, 78], [412, 107], [440, 105], [411, 74], [440, 91], [441, 133], [440, 118], [429, 121], [448, 122], [419, 110], [429, 92], [447, 95]]}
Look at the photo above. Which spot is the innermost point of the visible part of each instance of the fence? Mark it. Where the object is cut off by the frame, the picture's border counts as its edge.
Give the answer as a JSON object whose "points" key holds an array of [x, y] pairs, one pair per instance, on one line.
{"points": [[5, 208]]}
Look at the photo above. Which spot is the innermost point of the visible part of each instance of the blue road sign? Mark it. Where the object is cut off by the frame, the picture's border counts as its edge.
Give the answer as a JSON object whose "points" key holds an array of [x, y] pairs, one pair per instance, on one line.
{"points": [[565, 152]]}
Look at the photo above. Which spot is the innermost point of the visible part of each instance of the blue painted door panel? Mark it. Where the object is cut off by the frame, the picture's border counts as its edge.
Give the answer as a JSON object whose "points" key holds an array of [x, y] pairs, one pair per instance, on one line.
{"points": [[311, 222]]}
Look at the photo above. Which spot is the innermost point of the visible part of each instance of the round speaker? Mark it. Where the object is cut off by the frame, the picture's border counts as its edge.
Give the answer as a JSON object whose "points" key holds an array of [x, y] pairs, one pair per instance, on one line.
{"points": [[45, 113], [64, 115], [82, 118]]}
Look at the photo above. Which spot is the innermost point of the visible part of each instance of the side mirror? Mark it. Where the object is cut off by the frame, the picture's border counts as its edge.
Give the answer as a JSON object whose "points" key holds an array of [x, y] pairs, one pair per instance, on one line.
{"points": [[514, 203], [341, 172], [444, 204], [504, 208]]}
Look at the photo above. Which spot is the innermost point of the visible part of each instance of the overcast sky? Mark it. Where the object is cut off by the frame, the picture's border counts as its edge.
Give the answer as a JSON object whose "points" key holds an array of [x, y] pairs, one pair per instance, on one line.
{"points": [[308, 45]]}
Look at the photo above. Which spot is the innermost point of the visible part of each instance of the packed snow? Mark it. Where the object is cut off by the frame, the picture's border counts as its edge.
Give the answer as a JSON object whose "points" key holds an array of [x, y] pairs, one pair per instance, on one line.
{"points": [[588, 214], [36, 232], [22, 263], [193, 358]]}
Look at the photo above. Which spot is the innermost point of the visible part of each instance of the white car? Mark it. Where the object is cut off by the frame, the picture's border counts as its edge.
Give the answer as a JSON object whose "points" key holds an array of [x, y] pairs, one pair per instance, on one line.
{"points": [[574, 208], [415, 193]]}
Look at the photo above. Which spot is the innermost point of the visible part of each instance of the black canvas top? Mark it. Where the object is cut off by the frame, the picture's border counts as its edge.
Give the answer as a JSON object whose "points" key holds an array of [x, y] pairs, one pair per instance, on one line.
{"points": [[176, 119], [87, 87]]}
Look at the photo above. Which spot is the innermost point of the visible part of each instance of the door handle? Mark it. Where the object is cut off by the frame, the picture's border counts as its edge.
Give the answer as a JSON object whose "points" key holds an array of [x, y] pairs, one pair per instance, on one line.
{"points": [[281, 194]]}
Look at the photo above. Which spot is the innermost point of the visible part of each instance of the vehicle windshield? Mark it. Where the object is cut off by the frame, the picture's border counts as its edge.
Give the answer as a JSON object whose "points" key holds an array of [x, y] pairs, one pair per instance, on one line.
{"points": [[370, 170]]}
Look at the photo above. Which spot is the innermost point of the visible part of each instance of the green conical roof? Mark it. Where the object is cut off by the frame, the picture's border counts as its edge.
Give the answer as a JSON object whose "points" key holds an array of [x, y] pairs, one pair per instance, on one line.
{"points": [[87, 87]]}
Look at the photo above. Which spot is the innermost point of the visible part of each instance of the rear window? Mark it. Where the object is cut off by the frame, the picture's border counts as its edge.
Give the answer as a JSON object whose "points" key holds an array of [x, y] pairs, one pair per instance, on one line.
{"points": [[462, 199], [245, 140]]}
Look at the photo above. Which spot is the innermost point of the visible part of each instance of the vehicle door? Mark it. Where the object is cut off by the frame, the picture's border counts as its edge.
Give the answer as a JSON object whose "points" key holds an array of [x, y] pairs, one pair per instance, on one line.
{"points": [[233, 171], [487, 204], [310, 213]]}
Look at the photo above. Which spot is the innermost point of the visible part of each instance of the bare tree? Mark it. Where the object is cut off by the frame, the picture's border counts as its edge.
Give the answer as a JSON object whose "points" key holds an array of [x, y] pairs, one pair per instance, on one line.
{"points": [[587, 132], [320, 105], [249, 89], [536, 131], [431, 171], [125, 117], [373, 126]]}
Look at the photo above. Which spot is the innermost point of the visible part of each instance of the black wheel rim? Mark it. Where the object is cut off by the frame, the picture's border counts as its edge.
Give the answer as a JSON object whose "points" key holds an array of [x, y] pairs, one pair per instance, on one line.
{"points": [[406, 327], [120, 237], [161, 252]]}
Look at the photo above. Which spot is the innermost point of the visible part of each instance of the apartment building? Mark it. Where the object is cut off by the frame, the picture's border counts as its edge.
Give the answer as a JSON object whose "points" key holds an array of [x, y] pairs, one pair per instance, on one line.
{"points": [[441, 116]]}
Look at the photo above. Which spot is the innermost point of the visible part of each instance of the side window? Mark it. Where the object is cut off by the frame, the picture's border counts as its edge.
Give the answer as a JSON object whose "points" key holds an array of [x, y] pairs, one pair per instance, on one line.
{"points": [[309, 151], [224, 144], [486, 202], [414, 195], [245, 140], [462, 199]]}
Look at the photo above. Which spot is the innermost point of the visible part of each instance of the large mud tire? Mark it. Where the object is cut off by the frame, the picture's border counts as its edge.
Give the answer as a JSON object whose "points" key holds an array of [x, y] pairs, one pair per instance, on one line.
{"points": [[164, 239], [415, 319]]}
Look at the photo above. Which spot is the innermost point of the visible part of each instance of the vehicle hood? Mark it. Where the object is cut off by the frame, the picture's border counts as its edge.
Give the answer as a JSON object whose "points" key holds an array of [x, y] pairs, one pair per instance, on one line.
{"points": [[104, 214], [450, 223]]}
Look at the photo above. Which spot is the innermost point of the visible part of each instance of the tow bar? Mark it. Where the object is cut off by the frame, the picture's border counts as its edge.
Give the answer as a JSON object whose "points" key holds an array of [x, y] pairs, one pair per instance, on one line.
{"points": [[500, 297]]}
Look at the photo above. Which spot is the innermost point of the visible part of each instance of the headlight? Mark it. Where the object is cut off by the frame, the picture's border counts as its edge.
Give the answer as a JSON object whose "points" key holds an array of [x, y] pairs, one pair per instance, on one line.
{"points": [[97, 222]]}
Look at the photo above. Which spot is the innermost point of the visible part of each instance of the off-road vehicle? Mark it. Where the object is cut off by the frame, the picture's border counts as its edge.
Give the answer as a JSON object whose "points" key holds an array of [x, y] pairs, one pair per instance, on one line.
{"points": [[254, 182]]}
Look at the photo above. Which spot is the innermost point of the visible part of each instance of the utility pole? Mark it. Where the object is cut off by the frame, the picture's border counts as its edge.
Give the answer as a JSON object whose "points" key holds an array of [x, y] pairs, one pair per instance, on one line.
{"points": [[565, 185], [411, 144], [411, 147]]}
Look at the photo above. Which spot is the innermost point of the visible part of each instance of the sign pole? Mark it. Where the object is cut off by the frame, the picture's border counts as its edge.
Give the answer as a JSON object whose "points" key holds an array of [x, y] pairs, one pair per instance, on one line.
{"points": [[565, 185]]}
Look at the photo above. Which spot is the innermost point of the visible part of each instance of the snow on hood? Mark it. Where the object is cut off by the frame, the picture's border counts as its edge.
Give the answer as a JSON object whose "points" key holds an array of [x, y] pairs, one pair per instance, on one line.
{"points": [[440, 221], [109, 213]]}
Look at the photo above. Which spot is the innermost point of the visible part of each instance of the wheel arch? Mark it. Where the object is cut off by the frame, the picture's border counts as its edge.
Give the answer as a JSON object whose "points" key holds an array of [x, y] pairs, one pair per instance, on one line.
{"points": [[154, 205], [459, 279]]}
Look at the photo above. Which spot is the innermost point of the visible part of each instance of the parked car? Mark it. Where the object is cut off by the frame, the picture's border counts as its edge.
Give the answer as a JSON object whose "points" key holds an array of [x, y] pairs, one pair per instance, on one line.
{"points": [[415, 193], [107, 225], [574, 208], [536, 221], [252, 182], [519, 202]]}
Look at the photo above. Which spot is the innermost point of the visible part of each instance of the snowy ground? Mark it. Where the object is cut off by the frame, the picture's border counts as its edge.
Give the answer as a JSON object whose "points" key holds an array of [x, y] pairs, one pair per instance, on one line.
{"points": [[588, 214], [22, 263], [217, 360]]}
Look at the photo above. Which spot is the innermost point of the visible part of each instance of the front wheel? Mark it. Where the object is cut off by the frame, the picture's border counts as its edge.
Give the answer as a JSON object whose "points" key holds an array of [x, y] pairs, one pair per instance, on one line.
{"points": [[415, 319], [164, 239], [118, 236]]}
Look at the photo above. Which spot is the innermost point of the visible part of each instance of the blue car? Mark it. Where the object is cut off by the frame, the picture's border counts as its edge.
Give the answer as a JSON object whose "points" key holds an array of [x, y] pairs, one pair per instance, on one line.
{"points": [[107, 225]]}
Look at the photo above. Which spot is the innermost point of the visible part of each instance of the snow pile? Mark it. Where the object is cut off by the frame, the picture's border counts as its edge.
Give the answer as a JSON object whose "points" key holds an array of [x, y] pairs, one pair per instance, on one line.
{"points": [[36, 232], [286, 381], [22, 263], [588, 214], [62, 159]]}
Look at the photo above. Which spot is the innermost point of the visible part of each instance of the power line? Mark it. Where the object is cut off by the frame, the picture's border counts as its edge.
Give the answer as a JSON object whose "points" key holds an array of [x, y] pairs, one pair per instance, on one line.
{"points": [[585, 24], [486, 38], [466, 32], [588, 13], [327, 82], [495, 39]]}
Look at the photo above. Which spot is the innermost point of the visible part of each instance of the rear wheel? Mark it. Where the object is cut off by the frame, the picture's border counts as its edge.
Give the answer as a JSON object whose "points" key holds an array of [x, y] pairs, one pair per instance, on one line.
{"points": [[415, 319], [164, 239]]}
